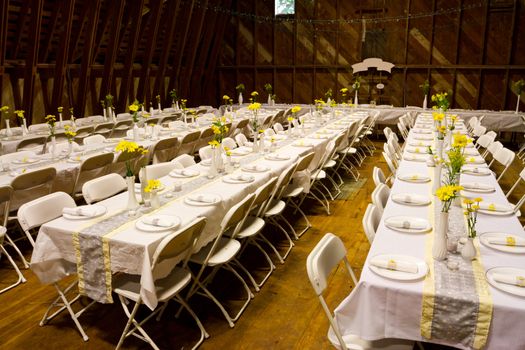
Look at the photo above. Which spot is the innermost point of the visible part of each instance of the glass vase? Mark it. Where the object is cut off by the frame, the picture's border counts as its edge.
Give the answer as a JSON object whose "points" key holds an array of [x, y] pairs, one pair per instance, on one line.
{"points": [[468, 251], [439, 248], [133, 204]]}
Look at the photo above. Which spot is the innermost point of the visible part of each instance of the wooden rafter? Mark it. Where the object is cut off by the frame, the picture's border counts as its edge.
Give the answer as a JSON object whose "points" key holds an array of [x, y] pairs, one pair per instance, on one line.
{"points": [[112, 49], [181, 44], [20, 24], [155, 18], [134, 37], [32, 56], [173, 10], [83, 18], [190, 61], [62, 55], [46, 42], [4, 11], [85, 68]]}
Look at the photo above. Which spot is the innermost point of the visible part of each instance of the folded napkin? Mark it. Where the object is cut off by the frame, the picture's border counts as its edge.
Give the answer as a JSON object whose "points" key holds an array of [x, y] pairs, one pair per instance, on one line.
{"points": [[414, 158], [476, 170], [471, 152], [202, 198], [475, 160], [255, 167], [406, 223], [500, 207], [477, 186], [277, 157], [157, 221], [185, 172], [512, 279], [302, 144], [411, 199], [241, 150], [424, 137], [417, 150], [392, 264], [84, 210], [242, 177], [414, 177], [422, 131], [510, 241]]}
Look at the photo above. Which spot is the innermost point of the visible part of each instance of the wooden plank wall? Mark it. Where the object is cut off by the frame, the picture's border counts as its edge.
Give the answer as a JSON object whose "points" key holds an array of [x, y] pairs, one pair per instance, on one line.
{"points": [[72, 53], [473, 49]]}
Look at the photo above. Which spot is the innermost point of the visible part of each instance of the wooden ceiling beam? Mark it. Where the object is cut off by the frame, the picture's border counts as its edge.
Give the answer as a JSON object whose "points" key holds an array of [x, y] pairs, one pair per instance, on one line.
{"points": [[133, 43], [46, 42], [4, 12], [82, 20], [173, 10], [85, 67], [63, 53], [175, 71], [190, 62], [32, 56], [155, 18], [112, 49], [20, 24]]}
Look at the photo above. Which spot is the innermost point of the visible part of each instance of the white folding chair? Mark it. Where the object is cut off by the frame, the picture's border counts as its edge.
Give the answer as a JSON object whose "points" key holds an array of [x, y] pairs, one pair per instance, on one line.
{"points": [[93, 139], [492, 149], [485, 140], [504, 157], [165, 150], [229, 142], [34, 214], [521, 177], [103, 187], [242, 140], [220, 254], [390, 164], [127, 287], [156, 171], [380, 196], [371, 221], [205, 152], [92, 167], [320, 264], [378, 176], [185, 160]]}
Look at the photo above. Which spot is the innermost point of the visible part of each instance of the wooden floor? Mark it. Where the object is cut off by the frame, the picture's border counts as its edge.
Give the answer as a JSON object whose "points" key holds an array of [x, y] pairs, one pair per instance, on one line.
{"points": [[285, 314]]}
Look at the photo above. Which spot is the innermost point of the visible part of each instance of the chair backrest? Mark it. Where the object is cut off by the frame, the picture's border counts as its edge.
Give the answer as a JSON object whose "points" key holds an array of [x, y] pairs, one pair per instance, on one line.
{"points": [[520, 178], [31, 185], [494, 147], [185, 160], [93, 167], [479, 130], [387, 132], [188, 142], [205, 152], [321, 261], [103, 187], [165, 150], [6, 192], [282, 181], [378, 176], [389, 163], [93, 139], [505, 157], [241, 139], [371, 221], [8, 158], [156, 171], [44, 209], [486, 139], [263, 194], [278, 127], [180, 242], [380, 196], [229, 142], [35, 144]]}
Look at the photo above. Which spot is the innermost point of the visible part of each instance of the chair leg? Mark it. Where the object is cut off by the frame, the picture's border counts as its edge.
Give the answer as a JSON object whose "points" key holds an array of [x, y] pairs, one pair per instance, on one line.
{"points": [[204, 334], [298, 209], [11, 243], [245, 270], [272, 247], [271, 265], [66, 304], [21, 278]]}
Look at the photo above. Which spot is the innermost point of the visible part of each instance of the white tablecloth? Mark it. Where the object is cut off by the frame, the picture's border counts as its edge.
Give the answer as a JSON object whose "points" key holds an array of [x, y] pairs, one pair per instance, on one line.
{"points": [[381, 308]]}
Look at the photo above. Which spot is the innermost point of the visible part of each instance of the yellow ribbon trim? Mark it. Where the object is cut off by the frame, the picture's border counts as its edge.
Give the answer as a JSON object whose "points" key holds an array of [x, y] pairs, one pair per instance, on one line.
{"points": [[80, 266], [427, 307]]}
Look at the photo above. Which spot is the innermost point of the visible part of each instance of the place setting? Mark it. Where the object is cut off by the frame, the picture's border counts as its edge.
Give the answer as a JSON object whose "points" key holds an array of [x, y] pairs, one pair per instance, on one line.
{"points": [[411, 199], [84, 212], [241, 151], [26, 160], [202, 199], [476, 171], [507, 279], [157, 223], [398, 267], [503, 242], [277, 157], [414, 177], [478, 187], [408, 224], [238, 179], [416, 150], [255, 168], [497, 209], [415, 158], [184, 173], [302, 143]]}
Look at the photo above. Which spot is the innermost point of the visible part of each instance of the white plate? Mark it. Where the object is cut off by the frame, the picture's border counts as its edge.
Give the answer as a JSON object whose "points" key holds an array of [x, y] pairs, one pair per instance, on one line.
{"points": [[487, 236], [422, 132], [205, 162], [496, 213], [112, 140], [416, 199], [417, 150], [414, 158], [74, 160], [416, 178], [487, 189], [479, 171], [302, 144], [474, 160], [234, 180], [241, 151], [425, 222], [423, 137], [277, 157], [515, 290], [185, 173], [255, 169], [420, 144], [400, 275], [26, 161], [137, 188], [216, 199], [140, 225], [101, 210]]}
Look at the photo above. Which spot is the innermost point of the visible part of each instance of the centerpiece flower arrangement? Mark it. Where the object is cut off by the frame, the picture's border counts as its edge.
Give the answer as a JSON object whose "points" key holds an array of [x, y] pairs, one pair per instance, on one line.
{"points": [[356, 86], [254, 107], [220, 129], [328, 95], [456, 158], [152, 187], [441, 101], [174, 99], [131, 148], [319, 104], [134, 109], [425, 87], [254, 96], [22, 121], [344, 93], [240, 89], [518, 87], [445, 194], [109, 105], [5, 110], [157, 98], [70, 134], [468, 251], [269, 90], [59, 110], [51, 123]]}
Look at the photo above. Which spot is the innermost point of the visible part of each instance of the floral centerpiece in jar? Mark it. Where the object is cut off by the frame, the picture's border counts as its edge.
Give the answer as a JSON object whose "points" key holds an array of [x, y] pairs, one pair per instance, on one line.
{"points": [[134, 110], [70, 134], [441, 101], [22, 121], [240, 89], [456, 158], [130, 148], [152, 188], [445, 194], [518, 87], [344, 95], [254, 123], [51, 123], [174, 99], [425, 87], [254, 95], [269, 90], [294, 111], [468, 251]]}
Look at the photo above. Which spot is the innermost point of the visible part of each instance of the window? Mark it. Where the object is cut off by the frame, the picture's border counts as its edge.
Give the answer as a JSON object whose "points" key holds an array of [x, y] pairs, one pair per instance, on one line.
{"points": [[284, 7]]}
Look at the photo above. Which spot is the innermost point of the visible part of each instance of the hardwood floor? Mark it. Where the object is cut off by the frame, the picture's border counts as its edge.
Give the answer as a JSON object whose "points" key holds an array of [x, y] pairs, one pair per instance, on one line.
{"points": [[285, 314]]}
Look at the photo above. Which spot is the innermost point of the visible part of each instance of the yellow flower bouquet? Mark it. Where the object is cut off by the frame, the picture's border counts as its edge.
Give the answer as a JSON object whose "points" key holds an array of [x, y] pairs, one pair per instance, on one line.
{"points": [[471, 214], [446, 194], [130, 147]]}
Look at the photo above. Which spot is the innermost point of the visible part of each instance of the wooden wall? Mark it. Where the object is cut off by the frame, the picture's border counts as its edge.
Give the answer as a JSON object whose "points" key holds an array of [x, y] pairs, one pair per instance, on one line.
{"points": [[473, 49]]}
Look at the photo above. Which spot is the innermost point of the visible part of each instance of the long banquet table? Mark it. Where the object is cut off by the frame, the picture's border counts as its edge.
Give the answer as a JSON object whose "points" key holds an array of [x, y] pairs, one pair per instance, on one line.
{"points": [[129, 249], [386, 308]]}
